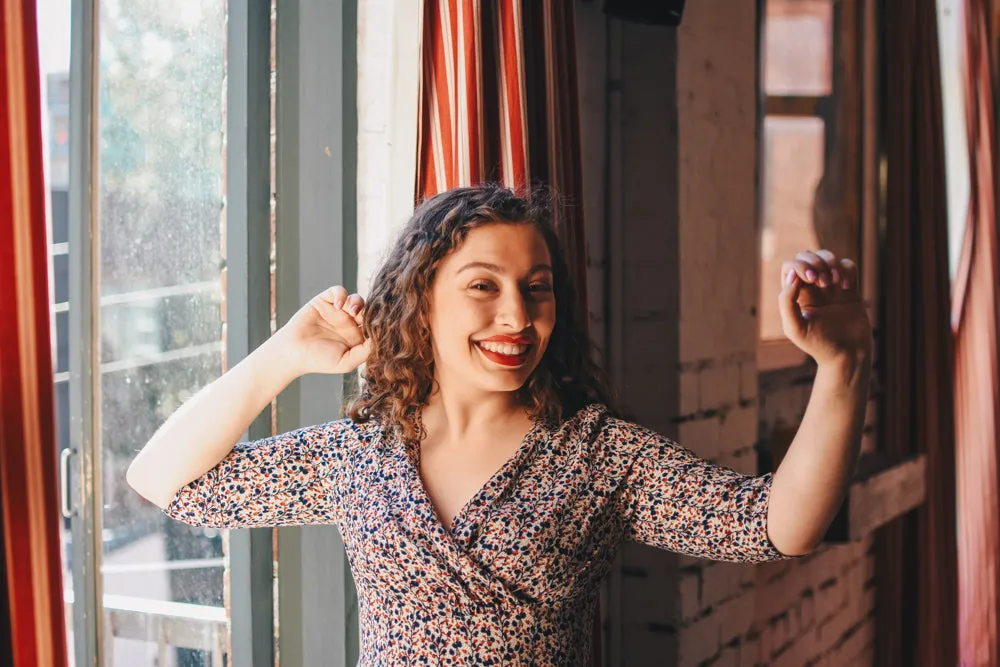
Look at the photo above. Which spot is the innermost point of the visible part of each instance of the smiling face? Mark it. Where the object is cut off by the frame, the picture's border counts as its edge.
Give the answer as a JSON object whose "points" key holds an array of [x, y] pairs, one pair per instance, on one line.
{"points": [[492, 308]]}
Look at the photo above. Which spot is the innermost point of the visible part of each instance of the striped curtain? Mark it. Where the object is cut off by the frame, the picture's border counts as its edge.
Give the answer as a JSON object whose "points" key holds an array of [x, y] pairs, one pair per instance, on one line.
{"points": [[498, 102], [32, 632], [977, 391]]}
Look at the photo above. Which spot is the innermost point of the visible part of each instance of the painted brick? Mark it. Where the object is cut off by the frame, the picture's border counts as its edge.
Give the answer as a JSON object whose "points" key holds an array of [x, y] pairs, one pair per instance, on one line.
{"points": [[643, 557], [730, 657], [739, 428], [749, 379], [807, 611], [828, 600], [690, 398], [769, 572], [689, 590], [644, 647], [720, 386], [649, 601], [702, 436], [750, 646], [735, 618], [742, 461], [775, 599], [721, 582], [699, 641], [642, 299]]}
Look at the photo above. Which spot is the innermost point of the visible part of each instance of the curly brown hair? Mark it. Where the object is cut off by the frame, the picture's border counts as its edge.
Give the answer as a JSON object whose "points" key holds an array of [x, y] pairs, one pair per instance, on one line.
{"points": [[399, 376]]}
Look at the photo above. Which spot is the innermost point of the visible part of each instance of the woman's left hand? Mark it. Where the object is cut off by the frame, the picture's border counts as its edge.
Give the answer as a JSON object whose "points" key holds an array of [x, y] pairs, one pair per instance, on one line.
{"points": [[822, 311]]}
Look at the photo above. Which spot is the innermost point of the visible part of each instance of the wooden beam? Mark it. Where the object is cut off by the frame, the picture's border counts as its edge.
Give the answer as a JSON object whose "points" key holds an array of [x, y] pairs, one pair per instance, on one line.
{"points": [[794, 105]]}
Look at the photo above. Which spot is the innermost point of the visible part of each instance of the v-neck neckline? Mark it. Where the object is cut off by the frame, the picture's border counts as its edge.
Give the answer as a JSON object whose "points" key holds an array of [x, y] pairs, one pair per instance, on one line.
{"points": [[463, 524]]}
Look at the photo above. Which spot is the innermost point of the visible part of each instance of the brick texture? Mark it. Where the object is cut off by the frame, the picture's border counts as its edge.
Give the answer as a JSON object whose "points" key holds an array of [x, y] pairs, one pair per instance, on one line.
{"points": [[679, 323]]}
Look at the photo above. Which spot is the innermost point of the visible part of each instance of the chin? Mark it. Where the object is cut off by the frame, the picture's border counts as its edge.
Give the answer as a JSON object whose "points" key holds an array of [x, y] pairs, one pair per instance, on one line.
{"points": [[506, 381]]}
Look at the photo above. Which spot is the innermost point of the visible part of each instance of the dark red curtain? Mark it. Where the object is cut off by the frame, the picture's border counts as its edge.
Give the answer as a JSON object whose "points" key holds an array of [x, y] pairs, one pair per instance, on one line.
{"points": [[33, 633], [916, 555], [977, 392]]}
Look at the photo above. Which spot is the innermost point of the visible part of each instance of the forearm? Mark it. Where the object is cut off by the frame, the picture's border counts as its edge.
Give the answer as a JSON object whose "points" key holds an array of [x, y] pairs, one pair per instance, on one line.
{"points": [[207, 427], [811, 481]]}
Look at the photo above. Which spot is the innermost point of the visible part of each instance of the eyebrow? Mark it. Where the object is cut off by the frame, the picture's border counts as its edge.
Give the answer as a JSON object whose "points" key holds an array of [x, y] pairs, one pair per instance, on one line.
{"points": [[499, 269]]}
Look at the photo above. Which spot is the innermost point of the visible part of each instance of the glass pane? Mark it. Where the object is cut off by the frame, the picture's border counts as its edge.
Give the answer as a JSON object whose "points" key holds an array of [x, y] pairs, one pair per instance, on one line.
{"points": [[798, 47], [161, 86], [793, 166], [952, 40], [53, 60]]}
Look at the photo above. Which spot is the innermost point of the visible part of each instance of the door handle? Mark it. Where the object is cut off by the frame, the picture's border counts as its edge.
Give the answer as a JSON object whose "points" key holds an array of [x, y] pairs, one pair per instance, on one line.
{"points": [[67, 511]]}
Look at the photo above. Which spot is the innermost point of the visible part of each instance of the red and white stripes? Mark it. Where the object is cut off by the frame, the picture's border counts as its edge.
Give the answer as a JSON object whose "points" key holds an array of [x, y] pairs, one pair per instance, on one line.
{"points": [[498, 102]]}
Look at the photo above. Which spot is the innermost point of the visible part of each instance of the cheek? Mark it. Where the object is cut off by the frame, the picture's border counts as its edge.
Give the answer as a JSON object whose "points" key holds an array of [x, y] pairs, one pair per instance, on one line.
{"points": [[461, 319], [544, 318]]}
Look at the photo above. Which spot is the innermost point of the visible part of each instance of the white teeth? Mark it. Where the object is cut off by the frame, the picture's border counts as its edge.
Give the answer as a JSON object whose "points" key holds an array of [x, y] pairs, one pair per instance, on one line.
{"points": [[508, 349]]}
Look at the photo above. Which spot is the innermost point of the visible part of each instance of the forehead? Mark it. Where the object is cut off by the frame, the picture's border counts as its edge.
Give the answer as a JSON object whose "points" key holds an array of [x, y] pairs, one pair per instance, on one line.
{"points": [[513, 246]]}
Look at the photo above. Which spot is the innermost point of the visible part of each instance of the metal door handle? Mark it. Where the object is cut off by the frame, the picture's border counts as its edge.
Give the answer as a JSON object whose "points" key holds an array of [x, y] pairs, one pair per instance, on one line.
{"points": [[67, 511]]}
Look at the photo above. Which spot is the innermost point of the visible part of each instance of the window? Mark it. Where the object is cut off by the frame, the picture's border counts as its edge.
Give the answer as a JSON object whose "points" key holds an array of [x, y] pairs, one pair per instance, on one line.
{"points": [[182, 233], [158, 198], [810, 144]]}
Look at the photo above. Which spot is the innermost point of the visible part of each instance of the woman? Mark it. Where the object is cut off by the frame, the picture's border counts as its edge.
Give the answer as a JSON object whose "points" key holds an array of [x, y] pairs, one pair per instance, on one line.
{"points": [[481, 484]]}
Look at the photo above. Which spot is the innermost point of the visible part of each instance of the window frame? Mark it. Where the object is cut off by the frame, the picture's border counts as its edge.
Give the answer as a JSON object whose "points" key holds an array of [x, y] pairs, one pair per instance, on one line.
{"points": [[316, 160], [316, 37], [847, 57]]}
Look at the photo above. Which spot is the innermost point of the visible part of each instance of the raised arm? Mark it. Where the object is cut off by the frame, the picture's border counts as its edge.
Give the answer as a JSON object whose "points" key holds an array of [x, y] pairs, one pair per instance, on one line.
{"points": [[322, 337], [823, 314]]}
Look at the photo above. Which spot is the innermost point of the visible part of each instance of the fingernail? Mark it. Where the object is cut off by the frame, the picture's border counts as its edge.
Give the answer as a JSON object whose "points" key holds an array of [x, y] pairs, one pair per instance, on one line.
{"points": [[790, 278], [845, 284], [835, 275], [810, 275], [354, 308], [338, 303]]}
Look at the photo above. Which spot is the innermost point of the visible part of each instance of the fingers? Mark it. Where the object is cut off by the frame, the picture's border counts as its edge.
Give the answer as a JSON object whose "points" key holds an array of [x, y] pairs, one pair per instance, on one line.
{"points": [[849, 272], [335, 295], [338, 297], [354, 305], [334, 304], [822, 269], [793, 322], [358, 354]]}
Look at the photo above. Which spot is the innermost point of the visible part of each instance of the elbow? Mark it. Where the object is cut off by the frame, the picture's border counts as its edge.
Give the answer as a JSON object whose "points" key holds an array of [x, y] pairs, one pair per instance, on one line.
{"points": [[141, 482], [132, 477]]}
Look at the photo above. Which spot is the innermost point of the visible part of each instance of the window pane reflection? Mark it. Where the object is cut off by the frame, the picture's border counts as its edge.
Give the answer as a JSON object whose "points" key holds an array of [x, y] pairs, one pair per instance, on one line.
{"points": [[793, 166], [160, 99], [798, 47]]}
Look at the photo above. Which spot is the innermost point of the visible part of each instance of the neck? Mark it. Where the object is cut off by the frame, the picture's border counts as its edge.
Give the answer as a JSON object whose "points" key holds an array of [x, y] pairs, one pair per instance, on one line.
{"points": [[455, 415]]}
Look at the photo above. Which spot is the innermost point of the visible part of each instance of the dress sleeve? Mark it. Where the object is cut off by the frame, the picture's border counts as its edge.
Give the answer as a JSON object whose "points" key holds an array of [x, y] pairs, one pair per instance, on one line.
{"points": [[289, 479], [679, 502]]}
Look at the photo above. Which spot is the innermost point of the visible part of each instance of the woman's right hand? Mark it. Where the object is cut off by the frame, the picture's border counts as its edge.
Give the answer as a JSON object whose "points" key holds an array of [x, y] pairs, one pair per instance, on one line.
{"points": [[324, 336]]}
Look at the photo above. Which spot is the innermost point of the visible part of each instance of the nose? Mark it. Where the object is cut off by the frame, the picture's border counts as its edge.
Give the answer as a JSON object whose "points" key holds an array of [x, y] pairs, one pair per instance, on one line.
{"points": [[513, 311]]}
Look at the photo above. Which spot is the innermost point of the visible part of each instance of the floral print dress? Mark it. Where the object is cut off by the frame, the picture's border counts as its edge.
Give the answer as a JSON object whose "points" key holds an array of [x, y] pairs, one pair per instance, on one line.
{"points": [[515, 579]]}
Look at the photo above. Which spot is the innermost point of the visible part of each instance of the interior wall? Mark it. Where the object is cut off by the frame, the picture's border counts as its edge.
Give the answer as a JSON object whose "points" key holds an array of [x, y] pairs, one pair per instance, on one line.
{"points": [[669, 119]]}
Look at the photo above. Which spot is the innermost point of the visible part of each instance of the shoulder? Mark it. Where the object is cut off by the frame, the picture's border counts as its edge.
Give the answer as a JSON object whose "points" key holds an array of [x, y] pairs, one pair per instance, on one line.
{"points": [[598, 425]]}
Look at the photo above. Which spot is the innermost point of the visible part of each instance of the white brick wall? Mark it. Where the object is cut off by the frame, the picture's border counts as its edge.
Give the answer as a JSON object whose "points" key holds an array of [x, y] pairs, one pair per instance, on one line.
{"points": [[687, 357]]}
